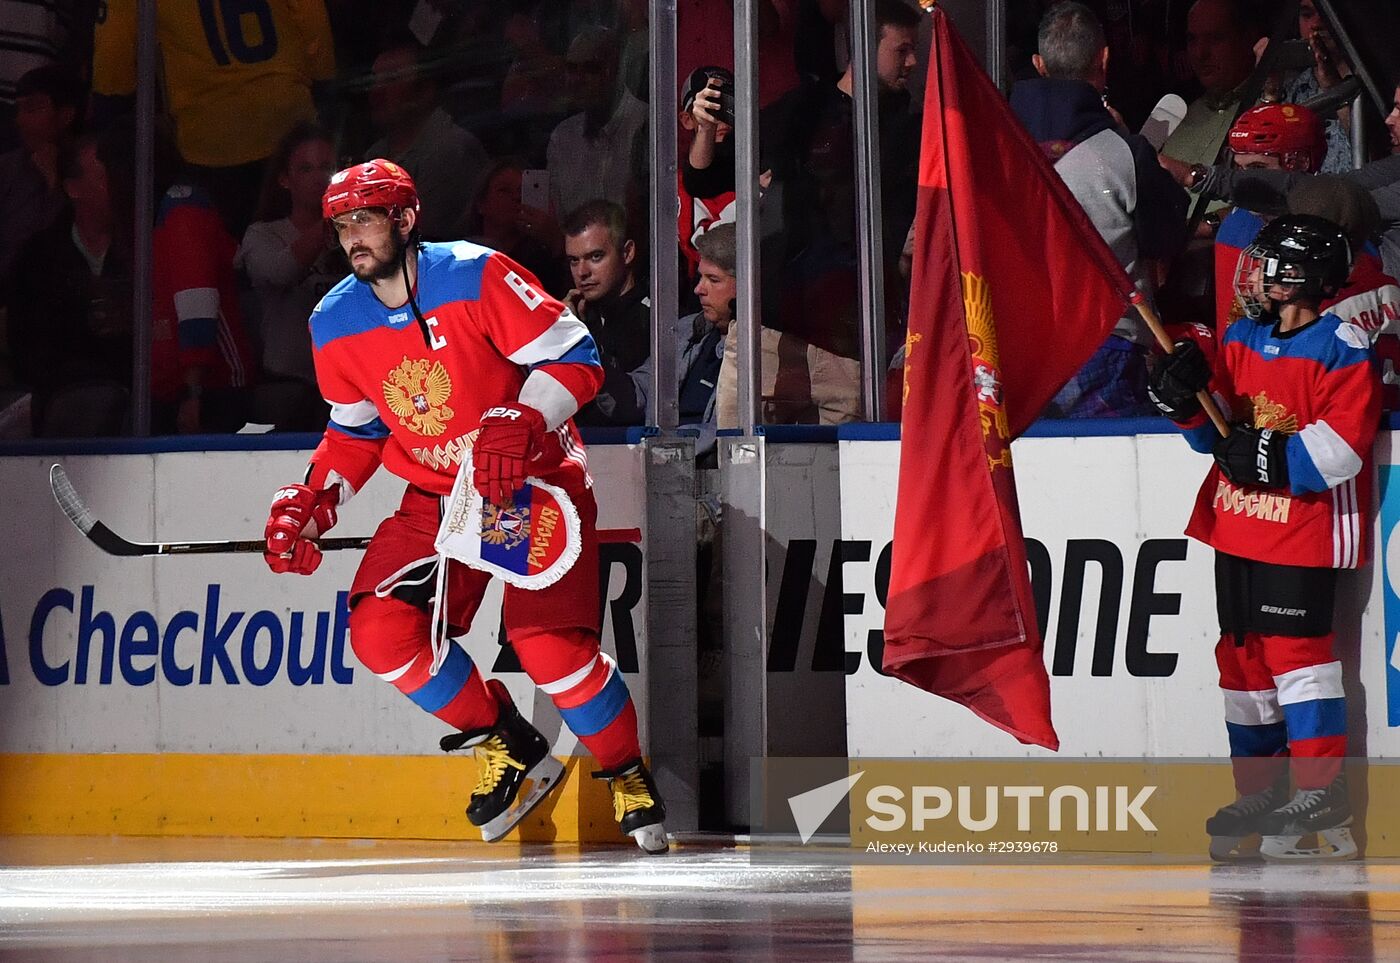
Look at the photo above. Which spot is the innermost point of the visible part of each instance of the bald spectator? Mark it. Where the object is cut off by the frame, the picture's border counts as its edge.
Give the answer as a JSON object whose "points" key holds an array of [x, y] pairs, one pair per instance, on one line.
{"points": [[447, 162], [594, 153], [1220, 40]]}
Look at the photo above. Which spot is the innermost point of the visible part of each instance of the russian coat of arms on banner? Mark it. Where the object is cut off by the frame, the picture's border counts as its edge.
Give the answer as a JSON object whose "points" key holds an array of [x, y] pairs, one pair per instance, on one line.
{"points": [[529, 543]]}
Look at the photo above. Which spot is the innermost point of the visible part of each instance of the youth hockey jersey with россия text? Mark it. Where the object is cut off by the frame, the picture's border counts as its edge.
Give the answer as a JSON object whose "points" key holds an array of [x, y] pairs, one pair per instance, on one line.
{"points": [[415, 404], [1317, 384]]}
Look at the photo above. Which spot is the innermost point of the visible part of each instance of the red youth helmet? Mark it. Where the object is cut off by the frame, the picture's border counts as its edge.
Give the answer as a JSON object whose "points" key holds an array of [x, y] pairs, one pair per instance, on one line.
{"points": [[1290, 132], [376, 183]]}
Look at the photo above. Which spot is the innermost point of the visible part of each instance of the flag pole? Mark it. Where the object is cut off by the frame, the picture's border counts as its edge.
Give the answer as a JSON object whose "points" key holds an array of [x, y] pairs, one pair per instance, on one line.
{"points": [[1154, 325]]}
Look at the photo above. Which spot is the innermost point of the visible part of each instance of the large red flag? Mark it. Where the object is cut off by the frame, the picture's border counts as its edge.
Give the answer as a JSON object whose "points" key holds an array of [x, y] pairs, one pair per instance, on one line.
{"points": [[1013, 291]]}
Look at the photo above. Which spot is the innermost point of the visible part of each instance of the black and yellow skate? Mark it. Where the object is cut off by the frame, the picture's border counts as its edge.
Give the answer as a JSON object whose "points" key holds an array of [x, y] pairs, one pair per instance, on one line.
{"points": [[514, 768], [637, 806]]}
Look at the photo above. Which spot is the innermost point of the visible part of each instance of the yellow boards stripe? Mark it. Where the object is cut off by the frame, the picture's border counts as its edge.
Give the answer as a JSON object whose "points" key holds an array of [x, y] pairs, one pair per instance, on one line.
{"points": [[177, 794]]}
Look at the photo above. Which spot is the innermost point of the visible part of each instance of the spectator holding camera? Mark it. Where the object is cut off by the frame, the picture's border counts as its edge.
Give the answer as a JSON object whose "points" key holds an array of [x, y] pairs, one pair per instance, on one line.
{"points": [[501, 220], [707, 167], [1329, 68], [811, 316]]}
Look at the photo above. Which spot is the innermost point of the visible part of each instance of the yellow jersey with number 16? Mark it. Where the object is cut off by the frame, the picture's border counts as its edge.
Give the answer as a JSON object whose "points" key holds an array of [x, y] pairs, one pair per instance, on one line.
{"points": [[237, 74]]}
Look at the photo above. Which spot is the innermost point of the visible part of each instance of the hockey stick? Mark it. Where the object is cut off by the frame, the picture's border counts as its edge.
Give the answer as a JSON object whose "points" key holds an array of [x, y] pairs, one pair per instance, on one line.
{"points": [[113, 544]]}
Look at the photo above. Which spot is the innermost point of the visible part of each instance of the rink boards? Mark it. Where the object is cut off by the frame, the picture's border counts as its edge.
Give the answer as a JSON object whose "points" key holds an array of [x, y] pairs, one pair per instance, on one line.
{"points": [[207, 696], [1128, 605]]}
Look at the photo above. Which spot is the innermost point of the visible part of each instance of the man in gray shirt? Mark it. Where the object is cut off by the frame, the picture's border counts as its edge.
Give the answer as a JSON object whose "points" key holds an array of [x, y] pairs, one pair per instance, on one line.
{"points": [[1132, 201]]}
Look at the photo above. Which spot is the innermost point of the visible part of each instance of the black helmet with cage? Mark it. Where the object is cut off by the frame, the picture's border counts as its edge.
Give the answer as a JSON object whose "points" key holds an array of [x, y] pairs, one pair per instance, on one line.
{"points": [[1307, 256]]}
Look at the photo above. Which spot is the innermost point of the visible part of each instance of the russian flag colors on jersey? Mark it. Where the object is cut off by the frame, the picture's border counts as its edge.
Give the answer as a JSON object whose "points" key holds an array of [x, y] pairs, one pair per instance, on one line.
{"points": [[196, 321], [1317, 384], [416, 404], [411, 396]]}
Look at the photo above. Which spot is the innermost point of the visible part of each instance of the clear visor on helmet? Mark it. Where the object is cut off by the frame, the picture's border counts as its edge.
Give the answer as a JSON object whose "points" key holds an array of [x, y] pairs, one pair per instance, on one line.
{"points": [[363, 217]]}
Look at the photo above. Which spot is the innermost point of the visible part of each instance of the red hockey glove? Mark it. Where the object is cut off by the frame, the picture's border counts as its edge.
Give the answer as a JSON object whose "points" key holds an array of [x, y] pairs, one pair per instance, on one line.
{"points": [[510, 438], [298, 515]]}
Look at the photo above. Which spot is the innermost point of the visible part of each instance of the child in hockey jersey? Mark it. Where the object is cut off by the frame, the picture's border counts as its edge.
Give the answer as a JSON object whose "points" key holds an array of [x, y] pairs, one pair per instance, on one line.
{"points": [[1284, 507]]}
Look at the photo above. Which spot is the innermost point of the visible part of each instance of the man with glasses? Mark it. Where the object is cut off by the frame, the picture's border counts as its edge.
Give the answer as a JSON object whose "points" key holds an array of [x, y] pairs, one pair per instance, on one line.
{"points": [[426, 353]]}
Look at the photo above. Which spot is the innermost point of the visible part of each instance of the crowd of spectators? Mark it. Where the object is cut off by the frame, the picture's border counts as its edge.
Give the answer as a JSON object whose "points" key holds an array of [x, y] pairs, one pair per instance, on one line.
{"points": [[525, 128]]}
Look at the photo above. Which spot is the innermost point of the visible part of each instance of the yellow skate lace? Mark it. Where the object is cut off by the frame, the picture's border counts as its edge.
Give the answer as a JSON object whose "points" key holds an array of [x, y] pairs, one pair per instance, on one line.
{"points": [[630, 794], [492, 759]]}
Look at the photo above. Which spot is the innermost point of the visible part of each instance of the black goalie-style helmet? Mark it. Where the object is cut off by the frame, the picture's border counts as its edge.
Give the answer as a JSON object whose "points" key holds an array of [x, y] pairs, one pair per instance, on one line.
{"points": [[1309, 256]]}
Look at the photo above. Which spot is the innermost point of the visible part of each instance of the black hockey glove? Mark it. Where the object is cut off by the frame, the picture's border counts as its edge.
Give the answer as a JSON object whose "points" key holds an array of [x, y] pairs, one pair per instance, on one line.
{"points": [[1176, 378], [1254, 456]]}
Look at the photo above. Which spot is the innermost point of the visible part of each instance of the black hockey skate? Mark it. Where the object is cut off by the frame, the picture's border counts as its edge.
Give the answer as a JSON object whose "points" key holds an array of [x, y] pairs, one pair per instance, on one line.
{"points": [[515, 770], [1232, 825], [637, 806], [1323, 814]]}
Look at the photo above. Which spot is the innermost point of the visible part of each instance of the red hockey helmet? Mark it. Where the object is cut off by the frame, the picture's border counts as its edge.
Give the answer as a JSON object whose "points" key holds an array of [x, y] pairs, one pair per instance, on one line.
{"points": [[376, 183], [1290, 132]]}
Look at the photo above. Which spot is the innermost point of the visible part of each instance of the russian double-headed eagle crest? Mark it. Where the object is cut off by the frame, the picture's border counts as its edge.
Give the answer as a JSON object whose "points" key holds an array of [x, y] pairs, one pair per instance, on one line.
{"points": [[1271, 414], [986, 369], [507, 526], [417, 392]]}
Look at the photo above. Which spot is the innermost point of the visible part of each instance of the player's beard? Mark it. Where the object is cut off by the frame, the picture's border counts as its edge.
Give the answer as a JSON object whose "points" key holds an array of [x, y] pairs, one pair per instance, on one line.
{"points": [[384, 264]]}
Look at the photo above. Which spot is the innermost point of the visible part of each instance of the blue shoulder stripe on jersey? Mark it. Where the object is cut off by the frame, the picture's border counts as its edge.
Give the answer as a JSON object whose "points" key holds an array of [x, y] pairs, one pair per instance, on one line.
{"points": [[1322, 342], [1303, 475], [450, 272], [1239, 229], [584, 352], [372, 430], [180, 195], [198, 332], [342, 312], [447, 273]]}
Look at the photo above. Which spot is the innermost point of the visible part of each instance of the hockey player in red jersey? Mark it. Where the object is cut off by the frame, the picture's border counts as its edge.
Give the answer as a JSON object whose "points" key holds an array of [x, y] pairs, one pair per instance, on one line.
{"points": [[1285, 507], [428, 352]]}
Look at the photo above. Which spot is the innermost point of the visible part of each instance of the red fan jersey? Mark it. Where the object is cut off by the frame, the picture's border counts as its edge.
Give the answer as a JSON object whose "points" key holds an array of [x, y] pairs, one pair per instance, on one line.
{"points": [[1371, 298], [1317, 384], [698, 215], [196, 318], [416, 403], [1237, 231]]}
